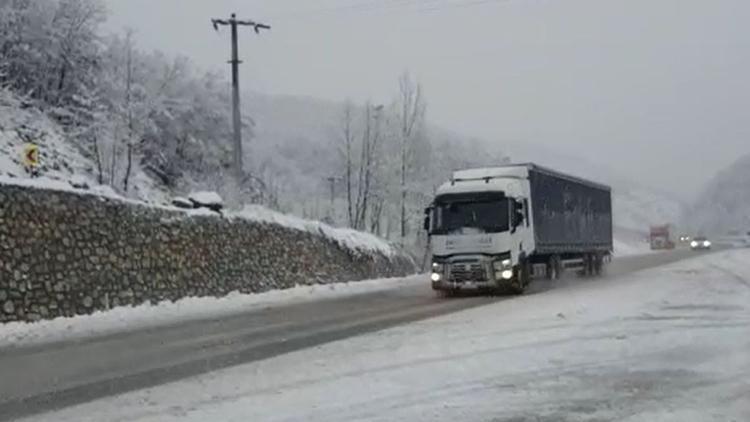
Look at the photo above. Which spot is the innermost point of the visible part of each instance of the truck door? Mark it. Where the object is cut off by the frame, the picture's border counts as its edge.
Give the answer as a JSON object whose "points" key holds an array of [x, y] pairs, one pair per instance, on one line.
{"points": [[521, 243]]}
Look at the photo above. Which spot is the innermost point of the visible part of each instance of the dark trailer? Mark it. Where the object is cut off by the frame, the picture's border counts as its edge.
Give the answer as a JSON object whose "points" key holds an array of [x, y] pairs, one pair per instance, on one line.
{"points": [[570, 215]]}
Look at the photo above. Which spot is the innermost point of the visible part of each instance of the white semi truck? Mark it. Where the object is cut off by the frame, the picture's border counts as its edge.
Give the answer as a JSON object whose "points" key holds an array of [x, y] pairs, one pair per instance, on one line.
{"points": [[496, 228]]}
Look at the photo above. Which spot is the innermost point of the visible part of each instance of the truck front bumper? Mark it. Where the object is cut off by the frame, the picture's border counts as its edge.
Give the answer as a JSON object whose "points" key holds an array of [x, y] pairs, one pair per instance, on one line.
{"points": [[466, 285]]}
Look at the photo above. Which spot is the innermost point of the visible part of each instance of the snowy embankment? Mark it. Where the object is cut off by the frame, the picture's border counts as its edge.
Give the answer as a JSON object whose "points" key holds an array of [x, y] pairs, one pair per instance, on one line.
{"points": [[348, 238], [669, 344], [61, 162], [124, 319]]}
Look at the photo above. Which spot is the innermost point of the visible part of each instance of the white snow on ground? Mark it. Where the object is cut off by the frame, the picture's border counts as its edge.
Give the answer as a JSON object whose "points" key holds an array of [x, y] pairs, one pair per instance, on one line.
{"points": [[147, 315], [669, 344]]}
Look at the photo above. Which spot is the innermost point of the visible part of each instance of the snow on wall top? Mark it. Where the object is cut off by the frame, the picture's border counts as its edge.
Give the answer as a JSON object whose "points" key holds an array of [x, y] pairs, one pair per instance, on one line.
{"points": [[351, 239], [206, 198]]}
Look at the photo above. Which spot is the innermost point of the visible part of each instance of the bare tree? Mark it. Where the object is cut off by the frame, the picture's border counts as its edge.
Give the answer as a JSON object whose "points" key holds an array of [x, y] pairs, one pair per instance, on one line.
{"points": [[128, 106], [370, 148], [347, 137], [411, 108]]}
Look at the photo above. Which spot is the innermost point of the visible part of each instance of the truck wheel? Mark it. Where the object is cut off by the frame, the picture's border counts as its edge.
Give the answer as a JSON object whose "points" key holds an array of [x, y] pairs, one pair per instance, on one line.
{"points": [[598, 264], [553, 268], [522, 278], [588, 266]]}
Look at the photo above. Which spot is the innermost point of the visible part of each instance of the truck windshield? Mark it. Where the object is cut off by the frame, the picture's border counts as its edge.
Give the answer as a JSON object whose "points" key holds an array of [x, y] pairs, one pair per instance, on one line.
{"points": [[489, 216]]}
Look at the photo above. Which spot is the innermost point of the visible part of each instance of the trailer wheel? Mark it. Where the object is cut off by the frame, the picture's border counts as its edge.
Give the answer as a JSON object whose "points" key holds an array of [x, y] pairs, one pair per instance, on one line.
{"points": [[598, 264], [588, 265], [553, 268]]}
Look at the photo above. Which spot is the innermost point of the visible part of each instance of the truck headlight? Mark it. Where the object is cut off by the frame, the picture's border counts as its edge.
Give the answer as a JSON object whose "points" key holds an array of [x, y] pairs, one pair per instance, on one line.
{"points": [[437, 271], [507, 274], [502, 265]]}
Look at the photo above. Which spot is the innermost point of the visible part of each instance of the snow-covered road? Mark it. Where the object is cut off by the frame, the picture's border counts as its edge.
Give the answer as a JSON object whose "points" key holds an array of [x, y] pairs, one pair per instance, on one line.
{"points": [[667, 344]]}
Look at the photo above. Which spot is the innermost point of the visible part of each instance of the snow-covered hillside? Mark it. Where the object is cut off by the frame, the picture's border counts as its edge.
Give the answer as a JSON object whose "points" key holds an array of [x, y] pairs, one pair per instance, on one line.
{"points": [[60, 159], [724, 205], [20, 124]]}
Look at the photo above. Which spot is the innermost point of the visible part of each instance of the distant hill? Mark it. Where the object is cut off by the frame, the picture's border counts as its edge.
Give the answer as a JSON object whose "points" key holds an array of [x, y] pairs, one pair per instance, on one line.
{"points": [[724, 205]]}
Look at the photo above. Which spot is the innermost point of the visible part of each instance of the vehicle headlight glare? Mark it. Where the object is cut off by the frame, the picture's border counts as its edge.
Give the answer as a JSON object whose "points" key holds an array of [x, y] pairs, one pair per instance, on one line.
{"points": [[502, 265], [435, 277], [507, 274], [706, 243], [693, 243]]}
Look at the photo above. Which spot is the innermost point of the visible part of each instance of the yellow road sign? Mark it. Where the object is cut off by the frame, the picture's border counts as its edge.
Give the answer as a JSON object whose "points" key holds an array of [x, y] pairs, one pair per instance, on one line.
{"points": [[31, 155]]}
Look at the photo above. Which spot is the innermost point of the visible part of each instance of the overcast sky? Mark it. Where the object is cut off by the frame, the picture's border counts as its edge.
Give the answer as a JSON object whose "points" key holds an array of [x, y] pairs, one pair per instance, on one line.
{"points": [[657, 89]]}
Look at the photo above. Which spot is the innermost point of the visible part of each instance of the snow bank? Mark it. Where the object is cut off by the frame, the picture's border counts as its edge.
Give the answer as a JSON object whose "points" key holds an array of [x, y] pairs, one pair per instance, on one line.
{"points": [[349, 238], [46, 183], [123, 319], [206, 198]]}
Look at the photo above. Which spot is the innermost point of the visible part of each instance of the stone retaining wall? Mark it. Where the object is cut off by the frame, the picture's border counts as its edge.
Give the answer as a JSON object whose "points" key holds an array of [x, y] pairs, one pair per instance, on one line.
{"points": [[66, 253]]}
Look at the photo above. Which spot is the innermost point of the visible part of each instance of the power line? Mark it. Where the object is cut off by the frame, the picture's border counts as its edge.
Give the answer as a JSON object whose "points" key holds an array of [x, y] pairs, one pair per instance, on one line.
{"points": [[418, 6], [466, 4], [382, 5]]}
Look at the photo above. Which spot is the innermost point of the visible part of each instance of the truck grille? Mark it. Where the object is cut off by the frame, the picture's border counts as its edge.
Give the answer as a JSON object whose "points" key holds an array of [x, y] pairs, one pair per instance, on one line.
{"points": [[461, 272]]}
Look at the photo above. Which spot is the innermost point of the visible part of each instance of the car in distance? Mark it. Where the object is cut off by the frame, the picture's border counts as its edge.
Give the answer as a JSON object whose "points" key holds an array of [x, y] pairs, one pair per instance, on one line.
{"points": [[700, 243]]}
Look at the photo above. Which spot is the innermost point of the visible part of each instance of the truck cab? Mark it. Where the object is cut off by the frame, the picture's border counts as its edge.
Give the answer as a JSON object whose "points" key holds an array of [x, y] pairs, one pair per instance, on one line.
{"points": [[481, 230]]}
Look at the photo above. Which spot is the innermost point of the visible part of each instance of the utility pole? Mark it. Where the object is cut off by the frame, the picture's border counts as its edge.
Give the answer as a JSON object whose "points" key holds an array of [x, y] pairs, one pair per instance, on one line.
{"points": [[233, 22]]}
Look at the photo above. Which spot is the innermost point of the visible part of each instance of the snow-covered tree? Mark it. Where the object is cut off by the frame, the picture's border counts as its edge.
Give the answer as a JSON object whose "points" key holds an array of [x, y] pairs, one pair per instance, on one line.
{"points": [[411, 109]]}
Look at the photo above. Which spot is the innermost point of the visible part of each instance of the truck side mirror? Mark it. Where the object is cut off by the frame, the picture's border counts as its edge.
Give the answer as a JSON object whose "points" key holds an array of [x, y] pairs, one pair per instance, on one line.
{"points": [[426, 224]]}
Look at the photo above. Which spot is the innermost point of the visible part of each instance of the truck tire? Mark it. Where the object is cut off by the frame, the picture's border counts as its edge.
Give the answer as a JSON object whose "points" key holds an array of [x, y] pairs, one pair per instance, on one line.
{"points": [[588, 265], [522, 279], [598, 264], [553, 268]]}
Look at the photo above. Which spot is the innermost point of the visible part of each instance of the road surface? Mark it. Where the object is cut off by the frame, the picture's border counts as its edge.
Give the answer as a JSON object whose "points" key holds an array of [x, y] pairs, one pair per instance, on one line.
{"points": [[47, 377]]}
